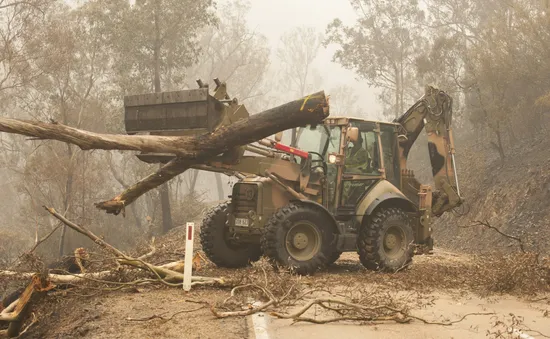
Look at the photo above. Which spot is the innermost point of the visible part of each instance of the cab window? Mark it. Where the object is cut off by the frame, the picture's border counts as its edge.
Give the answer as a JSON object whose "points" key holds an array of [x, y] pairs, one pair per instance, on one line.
{"points": [[391, 154], [320, 139], [362, 156]]}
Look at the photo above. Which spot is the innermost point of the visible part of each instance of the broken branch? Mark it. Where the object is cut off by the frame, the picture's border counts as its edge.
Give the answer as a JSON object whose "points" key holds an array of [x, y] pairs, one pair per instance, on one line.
{"points": [[150, 253], [242, 313], [489, 226], [358, 312], [272, 301], [87, 233], [164, 275], [46, 237], [59, 278], [164, 174]]}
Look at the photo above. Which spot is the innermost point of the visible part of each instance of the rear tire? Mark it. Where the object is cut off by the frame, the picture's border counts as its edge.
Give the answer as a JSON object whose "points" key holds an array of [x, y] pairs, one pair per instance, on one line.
{"points": [[218, 248], [298, 237], [386, 242]]}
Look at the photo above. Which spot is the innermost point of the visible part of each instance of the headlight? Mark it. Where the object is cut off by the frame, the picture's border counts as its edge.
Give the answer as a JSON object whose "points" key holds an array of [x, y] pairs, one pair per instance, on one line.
{"points": [[332, 159]]}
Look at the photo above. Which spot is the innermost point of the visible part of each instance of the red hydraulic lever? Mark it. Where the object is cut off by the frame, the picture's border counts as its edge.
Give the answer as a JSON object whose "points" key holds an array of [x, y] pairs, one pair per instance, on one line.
{"points": [[291, 150]]}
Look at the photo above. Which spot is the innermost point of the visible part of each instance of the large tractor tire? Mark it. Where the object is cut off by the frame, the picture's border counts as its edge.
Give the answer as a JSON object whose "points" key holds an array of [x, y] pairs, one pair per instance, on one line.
{"points": [[298, 237], [386, 242], [218, 248]]}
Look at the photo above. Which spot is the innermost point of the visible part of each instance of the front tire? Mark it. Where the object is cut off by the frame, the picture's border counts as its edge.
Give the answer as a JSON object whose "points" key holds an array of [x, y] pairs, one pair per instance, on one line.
{"points": [[216, 245], [298, 237], [386, 242]]}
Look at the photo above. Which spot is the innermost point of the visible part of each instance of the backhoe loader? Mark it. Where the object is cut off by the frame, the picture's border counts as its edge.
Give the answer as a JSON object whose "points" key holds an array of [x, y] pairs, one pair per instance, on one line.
{"points": [[302, 200]]}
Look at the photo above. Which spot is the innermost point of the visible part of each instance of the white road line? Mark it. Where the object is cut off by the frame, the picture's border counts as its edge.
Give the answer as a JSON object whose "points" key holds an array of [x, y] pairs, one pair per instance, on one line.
{"points": [[259, 321], [260, 325], [521, 335]]}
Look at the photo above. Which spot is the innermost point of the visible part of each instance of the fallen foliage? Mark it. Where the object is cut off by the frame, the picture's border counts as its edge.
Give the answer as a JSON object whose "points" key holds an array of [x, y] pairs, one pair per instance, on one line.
{"points": [[345, 292]]}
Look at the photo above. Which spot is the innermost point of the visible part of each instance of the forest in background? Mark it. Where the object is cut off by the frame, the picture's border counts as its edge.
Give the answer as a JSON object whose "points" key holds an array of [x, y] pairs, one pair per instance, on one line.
{"points": [[73, 63]]}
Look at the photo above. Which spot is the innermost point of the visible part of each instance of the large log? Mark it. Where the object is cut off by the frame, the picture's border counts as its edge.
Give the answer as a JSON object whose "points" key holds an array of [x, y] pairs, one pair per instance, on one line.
{"points": [[189, 150], [309, 110]]}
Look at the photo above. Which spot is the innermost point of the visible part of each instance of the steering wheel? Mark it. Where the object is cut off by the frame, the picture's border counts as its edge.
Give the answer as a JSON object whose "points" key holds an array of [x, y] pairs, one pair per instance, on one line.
{"points": [[321, 162]]}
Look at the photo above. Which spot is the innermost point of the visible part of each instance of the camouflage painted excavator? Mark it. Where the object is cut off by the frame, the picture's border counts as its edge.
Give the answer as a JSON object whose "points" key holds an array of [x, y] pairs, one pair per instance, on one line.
{"points": [[340, 186]]}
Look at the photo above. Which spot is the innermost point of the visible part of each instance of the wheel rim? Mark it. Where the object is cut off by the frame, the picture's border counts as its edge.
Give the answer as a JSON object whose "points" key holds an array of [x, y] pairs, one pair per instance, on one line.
{"points": [[303, 241], [394, 242]]}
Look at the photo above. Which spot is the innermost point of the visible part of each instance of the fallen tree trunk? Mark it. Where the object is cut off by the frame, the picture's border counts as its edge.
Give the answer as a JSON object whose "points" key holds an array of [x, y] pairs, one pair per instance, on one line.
{"points": [[310, 109], [167, 275], [189, 150], [58, 278], [18, 310], [170, 274], [163, 274]]}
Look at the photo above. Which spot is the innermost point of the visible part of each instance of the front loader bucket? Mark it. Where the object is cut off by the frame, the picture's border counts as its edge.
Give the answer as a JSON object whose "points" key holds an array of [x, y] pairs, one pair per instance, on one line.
{"points": [[185, 112], [179, 113]]}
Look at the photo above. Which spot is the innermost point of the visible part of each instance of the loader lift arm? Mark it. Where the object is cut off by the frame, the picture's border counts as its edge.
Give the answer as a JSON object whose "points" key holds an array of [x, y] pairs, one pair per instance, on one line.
{"points": [[433, 112]]}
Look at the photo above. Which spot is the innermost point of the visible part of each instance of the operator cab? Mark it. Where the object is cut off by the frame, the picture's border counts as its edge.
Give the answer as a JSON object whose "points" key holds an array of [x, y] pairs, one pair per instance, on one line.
{"points": [[332, 145]]}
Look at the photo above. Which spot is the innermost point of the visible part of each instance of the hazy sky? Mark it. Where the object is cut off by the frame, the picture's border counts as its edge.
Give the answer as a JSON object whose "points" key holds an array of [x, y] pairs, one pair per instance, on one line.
{"points": [[273, 18]]}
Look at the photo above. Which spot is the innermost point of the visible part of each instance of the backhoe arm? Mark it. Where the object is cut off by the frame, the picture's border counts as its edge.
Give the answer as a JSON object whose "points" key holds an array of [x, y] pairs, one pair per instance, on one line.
{"points": [[433, 112]]}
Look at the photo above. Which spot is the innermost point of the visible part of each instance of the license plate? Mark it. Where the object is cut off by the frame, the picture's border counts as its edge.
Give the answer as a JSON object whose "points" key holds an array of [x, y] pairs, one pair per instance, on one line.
{"points": [[243, 222]]}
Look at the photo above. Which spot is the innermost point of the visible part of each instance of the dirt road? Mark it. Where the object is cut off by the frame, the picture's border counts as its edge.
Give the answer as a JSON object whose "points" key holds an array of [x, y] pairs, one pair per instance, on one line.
{"points": [[439, 288], [449, 307], [510, 316]]}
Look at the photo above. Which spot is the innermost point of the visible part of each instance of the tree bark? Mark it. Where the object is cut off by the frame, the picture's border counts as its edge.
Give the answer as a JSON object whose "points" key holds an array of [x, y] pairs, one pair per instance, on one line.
{"points": [[165, 208], [164, 190], [193, 184], [121, 181], [189, 150], [67, 198]]}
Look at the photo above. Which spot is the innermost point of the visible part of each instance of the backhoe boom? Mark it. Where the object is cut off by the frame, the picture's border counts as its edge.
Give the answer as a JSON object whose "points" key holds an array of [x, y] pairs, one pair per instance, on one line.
{"points": [[433, 112]]}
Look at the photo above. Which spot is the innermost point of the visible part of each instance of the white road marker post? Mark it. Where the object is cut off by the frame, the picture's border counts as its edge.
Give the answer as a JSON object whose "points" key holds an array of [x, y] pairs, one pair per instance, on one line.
{"points": [[188, 268]]}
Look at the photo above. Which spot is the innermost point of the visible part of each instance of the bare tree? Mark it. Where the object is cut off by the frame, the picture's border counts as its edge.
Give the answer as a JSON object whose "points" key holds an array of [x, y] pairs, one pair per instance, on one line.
{"points": [[63, 91], [381, 46], [296, 53], [19, 19], [343, 101], [476, 45], [159, 41], [235, 54]]}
